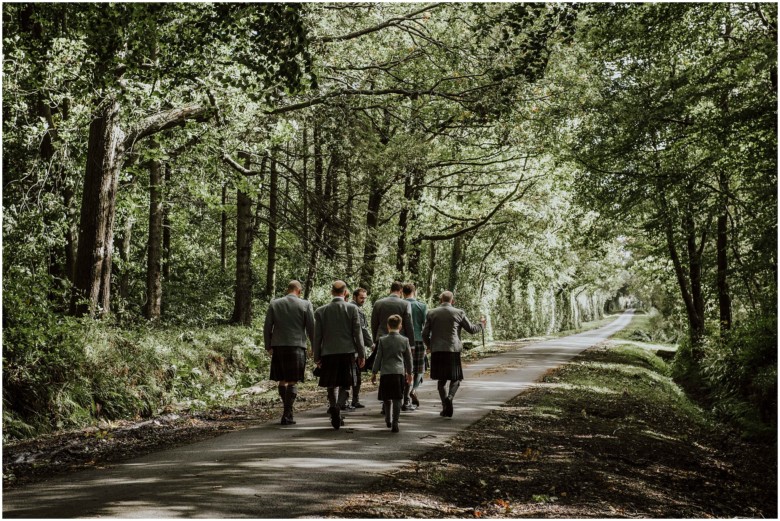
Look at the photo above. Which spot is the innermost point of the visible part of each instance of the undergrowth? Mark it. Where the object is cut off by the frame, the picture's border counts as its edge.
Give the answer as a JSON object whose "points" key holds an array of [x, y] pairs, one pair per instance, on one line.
{"points": [[68, 373]]}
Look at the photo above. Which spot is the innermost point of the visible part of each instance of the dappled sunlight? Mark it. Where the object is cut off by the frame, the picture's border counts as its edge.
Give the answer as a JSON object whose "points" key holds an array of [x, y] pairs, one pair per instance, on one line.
{"points": [[297, 470]]}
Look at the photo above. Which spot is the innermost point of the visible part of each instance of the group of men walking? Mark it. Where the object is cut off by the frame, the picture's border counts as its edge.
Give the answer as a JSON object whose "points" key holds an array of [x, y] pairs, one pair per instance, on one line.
{"points": [[339, 334]]}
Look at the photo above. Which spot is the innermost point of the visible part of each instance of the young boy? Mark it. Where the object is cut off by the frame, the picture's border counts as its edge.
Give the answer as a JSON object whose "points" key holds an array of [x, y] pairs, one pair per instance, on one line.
{"points": [[394, 361]]}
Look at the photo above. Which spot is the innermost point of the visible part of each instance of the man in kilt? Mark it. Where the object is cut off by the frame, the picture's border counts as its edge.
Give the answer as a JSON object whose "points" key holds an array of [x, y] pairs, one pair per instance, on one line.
{"points": [[441, 336], [289, 320], [358, 299], [390, 305], [337, 337], [419, 311]]}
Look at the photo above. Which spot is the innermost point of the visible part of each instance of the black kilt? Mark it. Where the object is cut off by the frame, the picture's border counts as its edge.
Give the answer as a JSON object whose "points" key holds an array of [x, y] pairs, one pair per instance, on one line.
{"points": [[288, 363], [338, 370], [391, 386], [446, 366]]}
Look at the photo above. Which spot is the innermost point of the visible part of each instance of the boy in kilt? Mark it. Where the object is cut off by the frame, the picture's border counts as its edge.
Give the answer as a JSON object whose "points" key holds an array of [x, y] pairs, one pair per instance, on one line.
{"points": [[441, 336], [394, 361], [337, 337], [289, 321]]}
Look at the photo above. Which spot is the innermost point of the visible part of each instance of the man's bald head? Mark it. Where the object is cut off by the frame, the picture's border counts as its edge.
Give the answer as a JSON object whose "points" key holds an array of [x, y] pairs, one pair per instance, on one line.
{"points": [[294, 286], [446, 296], [338, 288]]}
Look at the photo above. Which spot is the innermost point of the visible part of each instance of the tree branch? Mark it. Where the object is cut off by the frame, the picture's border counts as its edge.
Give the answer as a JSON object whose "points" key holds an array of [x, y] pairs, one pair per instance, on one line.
{"points": [[375, 28], [165, 120], [462, 231]]}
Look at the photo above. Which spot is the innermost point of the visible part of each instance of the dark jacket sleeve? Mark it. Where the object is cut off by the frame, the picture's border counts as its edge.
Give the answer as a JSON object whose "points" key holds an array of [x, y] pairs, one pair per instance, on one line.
{"points": [[309, 319], [367, 339], [268, 327], [378, 357], [426, 332], [408, 359], [375, 324], [408, 323], [316, 345], [357, 333]]}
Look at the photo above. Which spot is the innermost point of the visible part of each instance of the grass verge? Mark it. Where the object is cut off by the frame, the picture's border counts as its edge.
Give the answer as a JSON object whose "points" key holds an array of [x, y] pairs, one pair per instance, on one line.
{"points": [[607, 435]]}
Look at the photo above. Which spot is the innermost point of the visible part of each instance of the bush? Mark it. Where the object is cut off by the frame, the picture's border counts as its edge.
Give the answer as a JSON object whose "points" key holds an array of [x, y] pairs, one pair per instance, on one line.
{"points": [[62, 372], [741, 374]]}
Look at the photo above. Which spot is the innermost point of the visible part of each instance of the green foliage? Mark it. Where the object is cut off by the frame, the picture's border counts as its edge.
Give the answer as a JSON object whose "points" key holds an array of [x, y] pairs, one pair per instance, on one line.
{"points": [[741, 373]]}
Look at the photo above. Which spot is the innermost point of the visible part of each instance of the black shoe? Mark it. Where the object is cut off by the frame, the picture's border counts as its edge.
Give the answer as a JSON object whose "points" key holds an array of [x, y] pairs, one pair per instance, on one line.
{"points": [[404, 407], [358, 405], [289, 420], [335, 417], [388, 424], [411, 407], [395, 427], [284, 420], [448, 409], [415, 401], [347, 407]]}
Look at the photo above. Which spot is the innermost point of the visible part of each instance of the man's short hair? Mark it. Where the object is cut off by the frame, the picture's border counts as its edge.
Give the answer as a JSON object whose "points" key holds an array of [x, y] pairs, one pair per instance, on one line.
{"points": [[358, 292], [394, 322], [446, 296], [396, 286], [294, 285], [338, 287], [408, 288]]}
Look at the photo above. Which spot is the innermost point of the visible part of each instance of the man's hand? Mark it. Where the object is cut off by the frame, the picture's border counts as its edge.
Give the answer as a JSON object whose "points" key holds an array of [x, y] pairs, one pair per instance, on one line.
{"points": [[319, 364], [373, 378], [271, 352], [361, 362], [408, 378], [483, 320]]}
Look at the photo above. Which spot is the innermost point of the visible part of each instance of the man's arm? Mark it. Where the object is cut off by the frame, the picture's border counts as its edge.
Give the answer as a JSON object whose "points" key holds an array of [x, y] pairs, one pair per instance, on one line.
{"points": [[316, 345], [468, 326], [309, 322], [426, 332], [357, 334], [367, 339], [375, 323], [268, 327], [408, 323]]}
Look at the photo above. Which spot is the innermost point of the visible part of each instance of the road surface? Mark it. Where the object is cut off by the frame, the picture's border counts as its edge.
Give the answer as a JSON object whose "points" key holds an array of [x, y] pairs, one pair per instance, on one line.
{"points": [[302, 470]]}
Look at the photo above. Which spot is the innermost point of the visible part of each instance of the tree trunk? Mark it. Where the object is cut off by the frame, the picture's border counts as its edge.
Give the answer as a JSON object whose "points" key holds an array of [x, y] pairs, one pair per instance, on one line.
{"points": [[124, 254], [91, 289], [372, 223], [223, 232], [152, 308], [305, 191], [273, 211], [429, 286], [403, 225], [242, 310], [455, 257], [317, 206]]}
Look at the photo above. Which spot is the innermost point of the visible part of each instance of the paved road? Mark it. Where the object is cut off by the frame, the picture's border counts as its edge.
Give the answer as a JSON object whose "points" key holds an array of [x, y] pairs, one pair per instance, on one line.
{"points": [[302, 470]]}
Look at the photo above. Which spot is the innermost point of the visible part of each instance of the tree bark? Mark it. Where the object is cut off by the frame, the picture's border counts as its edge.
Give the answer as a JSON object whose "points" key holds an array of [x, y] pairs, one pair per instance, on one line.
{"points": [[91, 289], [166, 229], [403, 227], [242, 310], [152, 307], [305, 191], [318, 211], [724, 297], [124, 254], [431, 269], [273, 211], [223, 232], [368, 268]]}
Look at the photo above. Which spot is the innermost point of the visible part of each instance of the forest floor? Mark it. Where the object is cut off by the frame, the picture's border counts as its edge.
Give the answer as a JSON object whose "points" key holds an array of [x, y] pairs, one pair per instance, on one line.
{"points": [[42, 457], [606, 435]]}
